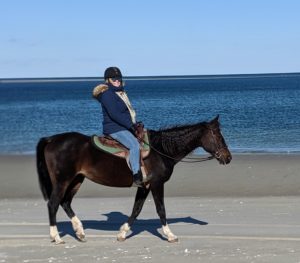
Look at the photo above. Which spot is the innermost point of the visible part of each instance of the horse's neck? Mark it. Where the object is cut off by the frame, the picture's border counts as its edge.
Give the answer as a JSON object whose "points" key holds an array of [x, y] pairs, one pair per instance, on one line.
{"points": [[180, 141]]}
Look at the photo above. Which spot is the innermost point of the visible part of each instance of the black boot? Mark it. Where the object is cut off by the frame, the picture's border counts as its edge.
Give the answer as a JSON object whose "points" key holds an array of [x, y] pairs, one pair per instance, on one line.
{"points": [[138, 179]]}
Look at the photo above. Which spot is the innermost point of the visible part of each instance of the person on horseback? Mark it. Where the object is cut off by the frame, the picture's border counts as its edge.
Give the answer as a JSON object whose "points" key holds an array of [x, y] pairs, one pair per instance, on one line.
{"points": [[119, 118]]}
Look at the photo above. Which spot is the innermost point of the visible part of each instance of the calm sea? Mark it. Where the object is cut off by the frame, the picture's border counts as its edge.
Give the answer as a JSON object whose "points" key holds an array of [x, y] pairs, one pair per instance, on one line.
{"points": [[258, 113]]}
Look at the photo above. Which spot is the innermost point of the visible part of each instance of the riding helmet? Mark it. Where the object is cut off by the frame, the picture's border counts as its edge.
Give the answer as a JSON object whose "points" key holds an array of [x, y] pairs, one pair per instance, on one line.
{"points": [[112, 72]]}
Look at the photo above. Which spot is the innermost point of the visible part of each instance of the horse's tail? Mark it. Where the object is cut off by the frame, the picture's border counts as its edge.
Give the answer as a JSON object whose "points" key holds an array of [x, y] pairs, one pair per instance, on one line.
{"points": [[44, 178]]}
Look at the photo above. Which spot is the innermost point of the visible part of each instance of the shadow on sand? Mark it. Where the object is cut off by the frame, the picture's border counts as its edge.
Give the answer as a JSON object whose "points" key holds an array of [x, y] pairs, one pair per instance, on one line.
{"points": [[116, 219]]}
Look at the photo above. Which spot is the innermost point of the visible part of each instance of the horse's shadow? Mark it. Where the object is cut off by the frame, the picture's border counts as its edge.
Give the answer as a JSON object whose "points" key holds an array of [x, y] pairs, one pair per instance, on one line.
{"points": [[116, 219]]}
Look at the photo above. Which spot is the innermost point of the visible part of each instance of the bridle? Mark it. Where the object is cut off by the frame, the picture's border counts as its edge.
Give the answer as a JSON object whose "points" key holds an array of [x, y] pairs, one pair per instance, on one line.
{"points": [[220, 149], [216, 155]]}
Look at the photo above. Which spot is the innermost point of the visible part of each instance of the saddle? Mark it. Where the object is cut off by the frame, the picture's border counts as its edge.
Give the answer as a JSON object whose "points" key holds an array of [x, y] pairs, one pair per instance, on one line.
{"points": [[109, 145]]}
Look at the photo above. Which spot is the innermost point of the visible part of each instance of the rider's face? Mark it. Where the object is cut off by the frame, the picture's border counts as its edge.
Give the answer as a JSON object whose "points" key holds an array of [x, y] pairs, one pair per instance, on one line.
{"points": [[115, 82]]}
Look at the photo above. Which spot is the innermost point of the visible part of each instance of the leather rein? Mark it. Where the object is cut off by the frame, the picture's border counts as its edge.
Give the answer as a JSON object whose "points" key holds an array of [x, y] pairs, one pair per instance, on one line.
{"points": [[191, 159]]}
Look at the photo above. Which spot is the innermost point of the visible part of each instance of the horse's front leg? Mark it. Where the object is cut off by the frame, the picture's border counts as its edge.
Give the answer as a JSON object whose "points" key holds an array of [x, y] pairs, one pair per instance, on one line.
{"points": [[140, 198], [158, 195]]}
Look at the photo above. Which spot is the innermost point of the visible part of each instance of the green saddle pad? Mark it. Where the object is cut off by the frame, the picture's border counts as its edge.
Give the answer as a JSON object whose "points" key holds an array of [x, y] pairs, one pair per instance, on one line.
{"points": [[114, 150]]}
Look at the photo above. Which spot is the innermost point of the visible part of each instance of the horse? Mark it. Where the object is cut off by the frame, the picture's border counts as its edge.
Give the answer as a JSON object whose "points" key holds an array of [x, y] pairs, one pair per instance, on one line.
{"points": [[65, 160]]}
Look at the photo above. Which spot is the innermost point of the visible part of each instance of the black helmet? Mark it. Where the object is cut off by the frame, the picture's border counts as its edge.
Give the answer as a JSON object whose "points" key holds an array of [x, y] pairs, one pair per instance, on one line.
{"points": [[112, 72]]}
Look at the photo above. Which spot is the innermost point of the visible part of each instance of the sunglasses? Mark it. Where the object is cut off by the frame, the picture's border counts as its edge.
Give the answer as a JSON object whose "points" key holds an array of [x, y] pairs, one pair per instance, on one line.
{"points": [[116, 79]]}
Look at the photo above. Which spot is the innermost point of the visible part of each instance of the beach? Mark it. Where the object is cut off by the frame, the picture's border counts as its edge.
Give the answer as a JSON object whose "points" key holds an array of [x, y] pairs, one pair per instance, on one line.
{"points": [[232, 230], [246, 211], [248, 175]]}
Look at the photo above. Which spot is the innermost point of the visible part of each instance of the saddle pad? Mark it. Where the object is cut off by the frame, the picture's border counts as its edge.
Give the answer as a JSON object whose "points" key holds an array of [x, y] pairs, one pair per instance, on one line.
{"points": [[99, 145], [116, 150]]}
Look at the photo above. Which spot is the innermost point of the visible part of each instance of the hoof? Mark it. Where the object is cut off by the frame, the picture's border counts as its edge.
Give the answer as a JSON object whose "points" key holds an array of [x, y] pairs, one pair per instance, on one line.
{"points": [[121, 239], [58, 242], [81, 238], [175, 240]]}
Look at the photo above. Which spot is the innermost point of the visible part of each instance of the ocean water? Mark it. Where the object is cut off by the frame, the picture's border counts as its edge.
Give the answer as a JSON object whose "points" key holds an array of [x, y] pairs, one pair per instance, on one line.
{"points": [[258, 113]]}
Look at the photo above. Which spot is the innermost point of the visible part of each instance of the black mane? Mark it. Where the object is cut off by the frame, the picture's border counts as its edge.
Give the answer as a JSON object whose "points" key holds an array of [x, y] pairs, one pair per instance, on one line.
{"points": [[178, 139]]}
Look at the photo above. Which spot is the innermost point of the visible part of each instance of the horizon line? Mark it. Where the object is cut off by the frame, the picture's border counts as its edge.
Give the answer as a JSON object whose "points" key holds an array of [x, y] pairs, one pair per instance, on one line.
{"points": [[150, 77]]}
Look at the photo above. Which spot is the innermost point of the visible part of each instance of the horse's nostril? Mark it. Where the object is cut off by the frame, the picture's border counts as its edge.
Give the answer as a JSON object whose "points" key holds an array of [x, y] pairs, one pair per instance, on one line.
{"points": [[229, 159]]}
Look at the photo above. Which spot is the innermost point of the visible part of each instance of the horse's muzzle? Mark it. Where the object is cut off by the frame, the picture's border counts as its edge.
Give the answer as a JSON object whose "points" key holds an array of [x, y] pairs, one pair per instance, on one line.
{"points": [[223, 156]]}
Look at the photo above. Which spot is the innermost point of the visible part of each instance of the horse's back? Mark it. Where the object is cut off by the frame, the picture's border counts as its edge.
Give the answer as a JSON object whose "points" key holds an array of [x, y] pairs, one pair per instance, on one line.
{"points": [[68, 138], [66, 145]]}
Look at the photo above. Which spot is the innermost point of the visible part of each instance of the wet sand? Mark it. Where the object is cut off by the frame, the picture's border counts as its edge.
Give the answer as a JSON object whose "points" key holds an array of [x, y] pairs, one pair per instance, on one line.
{"points": [[247, 175]]}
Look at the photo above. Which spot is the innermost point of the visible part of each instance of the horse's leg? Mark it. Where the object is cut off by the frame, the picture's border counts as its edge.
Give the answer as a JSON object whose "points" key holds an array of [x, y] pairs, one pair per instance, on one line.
{"points": [[66, 205], [140, 198], [158, 196], [53, 204]]}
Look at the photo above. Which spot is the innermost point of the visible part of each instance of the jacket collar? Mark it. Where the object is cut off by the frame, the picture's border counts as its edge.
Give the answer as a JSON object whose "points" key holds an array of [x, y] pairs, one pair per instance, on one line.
{"points": [[113, 88]]}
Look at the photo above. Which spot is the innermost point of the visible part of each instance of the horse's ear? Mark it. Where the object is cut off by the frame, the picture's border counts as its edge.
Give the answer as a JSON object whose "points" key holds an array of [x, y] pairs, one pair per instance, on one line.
{"points": [[216, 119]]}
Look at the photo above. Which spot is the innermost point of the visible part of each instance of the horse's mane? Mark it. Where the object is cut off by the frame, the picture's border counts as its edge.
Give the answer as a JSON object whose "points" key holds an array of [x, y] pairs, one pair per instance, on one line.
{"points": [[178, 138]]}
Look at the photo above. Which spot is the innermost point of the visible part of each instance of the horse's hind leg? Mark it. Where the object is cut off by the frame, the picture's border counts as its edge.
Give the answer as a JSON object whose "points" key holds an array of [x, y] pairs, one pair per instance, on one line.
{"points": [[140, 198], [66, 205], [53, 204]]}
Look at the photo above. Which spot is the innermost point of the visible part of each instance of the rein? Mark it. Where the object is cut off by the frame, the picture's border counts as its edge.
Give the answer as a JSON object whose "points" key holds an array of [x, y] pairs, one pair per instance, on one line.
{"points": [[191, 159]]}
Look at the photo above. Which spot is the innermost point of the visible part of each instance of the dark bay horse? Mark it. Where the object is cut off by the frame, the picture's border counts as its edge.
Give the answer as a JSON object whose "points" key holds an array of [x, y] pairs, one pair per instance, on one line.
{"points": [[64, 160]]}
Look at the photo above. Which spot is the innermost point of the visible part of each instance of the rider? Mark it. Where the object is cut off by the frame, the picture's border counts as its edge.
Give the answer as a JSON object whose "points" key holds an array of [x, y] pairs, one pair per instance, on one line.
{"points": [[119, 117]]}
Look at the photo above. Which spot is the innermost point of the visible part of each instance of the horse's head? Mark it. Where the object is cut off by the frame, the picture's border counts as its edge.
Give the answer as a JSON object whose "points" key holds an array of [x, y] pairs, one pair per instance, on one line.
{"points": [[214, 143]]}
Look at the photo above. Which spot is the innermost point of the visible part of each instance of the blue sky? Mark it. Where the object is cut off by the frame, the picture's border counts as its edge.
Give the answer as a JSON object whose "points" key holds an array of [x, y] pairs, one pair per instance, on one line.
{"points": [[75, 38]]}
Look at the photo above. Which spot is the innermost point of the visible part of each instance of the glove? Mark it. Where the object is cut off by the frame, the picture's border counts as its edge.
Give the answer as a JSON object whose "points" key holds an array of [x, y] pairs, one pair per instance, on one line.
{"points": [[137, 129], [139, 125]]}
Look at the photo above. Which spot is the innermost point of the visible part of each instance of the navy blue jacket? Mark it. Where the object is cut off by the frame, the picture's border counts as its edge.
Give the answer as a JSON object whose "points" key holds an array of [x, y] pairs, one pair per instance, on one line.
{"points": [[116, 116]]}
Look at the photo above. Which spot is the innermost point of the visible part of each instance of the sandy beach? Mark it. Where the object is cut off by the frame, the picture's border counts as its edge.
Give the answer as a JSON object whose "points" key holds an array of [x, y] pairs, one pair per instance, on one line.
{"points": [[246, 211], [247, 175], [231, 230]]}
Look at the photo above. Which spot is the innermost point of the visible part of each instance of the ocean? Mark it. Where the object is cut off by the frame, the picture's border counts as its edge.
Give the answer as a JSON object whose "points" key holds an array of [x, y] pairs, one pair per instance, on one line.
{"points": [[258, 113]]}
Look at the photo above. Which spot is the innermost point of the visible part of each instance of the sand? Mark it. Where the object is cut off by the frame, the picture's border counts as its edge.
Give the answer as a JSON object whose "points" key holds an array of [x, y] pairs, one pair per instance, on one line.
{"points": [[246, 211], [214, 230], [247, 175]]}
